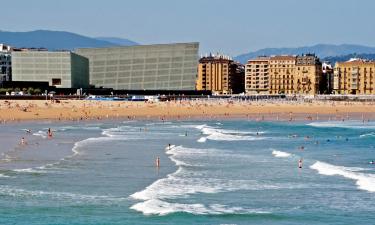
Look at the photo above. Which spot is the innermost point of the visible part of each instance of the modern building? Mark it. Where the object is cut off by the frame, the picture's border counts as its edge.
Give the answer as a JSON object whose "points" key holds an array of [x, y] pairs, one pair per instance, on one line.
{"points": [[220, 74], [281, 74], [307, 75], [144, 67], [257, 76], [356, 76], [60, 69], [5, 63]]}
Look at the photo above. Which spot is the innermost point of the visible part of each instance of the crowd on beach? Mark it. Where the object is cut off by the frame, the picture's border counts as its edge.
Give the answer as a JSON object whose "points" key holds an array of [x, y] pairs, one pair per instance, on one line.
{"points": [[275, 109]]}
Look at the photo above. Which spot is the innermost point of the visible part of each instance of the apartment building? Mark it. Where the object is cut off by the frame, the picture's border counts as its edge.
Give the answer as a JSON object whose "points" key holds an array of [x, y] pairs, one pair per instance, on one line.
{"points": [[281, 74], [356, 76], [307, 75], [220, 74], [257, 76]]}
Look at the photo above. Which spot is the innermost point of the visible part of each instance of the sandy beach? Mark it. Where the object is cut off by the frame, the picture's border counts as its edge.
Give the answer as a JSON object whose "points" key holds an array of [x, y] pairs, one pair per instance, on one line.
{"points": [[15, 110]]}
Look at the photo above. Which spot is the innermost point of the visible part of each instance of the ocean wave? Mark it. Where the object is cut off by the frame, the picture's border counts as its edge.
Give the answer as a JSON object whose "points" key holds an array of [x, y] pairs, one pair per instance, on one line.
{"points": [[280, 154], [3, 176], [161, 208], [217, 134], [202, 139], [363, 181], [41, 133], [344, 124], [184, 182], [63, 196], [372, 134], [29, 170]]}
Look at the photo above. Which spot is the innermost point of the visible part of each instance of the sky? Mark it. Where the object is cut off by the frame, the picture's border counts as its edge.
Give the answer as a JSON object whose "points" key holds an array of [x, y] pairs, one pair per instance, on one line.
{"points": [[231, 27]]}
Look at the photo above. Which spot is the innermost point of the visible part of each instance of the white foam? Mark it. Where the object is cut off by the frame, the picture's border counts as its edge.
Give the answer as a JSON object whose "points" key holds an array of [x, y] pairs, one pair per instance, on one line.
{"points": [[372, 134], [63, 196], [228, 135], [280, 154], [3, 176], [41, 133], [363, 181], [344, 124], [158, 207], [202, 139], [28, 170]]}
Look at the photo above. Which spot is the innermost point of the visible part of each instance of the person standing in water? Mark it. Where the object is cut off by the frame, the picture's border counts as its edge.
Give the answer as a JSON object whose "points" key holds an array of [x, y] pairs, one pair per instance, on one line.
{"points": [[300, 163], [157, 162], [23, 141], [49, 133]]}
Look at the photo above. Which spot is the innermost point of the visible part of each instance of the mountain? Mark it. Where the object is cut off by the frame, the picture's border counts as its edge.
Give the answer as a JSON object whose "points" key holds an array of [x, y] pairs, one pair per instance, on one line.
{"points": [[343, 58], [321, 50], [118, 41], [52, 40]]}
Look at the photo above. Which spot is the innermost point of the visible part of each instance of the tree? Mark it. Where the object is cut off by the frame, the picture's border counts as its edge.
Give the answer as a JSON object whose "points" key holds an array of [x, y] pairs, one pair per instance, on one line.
{"points": [[30, 91], [37, 91]]}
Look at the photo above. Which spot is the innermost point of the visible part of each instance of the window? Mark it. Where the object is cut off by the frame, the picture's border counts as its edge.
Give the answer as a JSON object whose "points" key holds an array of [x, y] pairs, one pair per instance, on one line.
{"points": [[56, 81]]}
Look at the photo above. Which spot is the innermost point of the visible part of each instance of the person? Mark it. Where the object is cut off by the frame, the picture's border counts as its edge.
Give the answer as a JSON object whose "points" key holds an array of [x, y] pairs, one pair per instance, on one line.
{"points": [[23, 141], [185, 133], [49, 133], [169, 146], [372, 162], [300, 163], [28, 131], [157, 162]]}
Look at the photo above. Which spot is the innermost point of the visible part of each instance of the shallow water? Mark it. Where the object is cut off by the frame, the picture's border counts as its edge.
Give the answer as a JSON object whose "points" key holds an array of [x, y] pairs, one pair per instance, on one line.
{"points": [[214, 172]]}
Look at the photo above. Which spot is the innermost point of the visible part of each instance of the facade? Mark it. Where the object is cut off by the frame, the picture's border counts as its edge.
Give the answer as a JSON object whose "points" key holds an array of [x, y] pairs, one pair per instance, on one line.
{"points": [[220, 74], [60, 69], [144, 67], [5, 63], [356, 76], [307, 75], [281, 74], [257, 76], [326, 86]]}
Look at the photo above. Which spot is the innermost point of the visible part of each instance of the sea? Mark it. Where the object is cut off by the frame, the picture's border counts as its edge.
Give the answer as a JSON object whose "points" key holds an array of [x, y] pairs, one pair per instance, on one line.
{"points": [[211, 172]]}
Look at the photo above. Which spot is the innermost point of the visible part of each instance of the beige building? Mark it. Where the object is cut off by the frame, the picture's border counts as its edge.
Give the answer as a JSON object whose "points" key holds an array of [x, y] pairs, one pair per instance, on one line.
{"points": [[219, 74], [356, 76], [257, 76], [281, 74], [307, 75]]}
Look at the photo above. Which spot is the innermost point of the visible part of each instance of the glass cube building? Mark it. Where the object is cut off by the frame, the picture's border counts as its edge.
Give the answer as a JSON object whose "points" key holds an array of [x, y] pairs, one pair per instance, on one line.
{"points": [[144, 67], [60, 69]]}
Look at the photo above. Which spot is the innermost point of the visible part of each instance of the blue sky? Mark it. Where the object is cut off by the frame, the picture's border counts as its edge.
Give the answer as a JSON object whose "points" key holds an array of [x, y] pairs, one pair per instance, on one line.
{"points": [[228, 26]]}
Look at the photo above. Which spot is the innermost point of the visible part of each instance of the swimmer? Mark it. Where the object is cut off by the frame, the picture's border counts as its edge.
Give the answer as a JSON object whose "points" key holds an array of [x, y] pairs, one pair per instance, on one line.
{"points": [[372, 162], [185, 133], [169, 146], [28, 131], [300, 163]]}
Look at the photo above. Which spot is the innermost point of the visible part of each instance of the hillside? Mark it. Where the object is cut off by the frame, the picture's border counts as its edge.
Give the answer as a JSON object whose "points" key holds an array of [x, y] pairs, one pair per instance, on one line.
{"points": [[52, 40], [321, 50]]}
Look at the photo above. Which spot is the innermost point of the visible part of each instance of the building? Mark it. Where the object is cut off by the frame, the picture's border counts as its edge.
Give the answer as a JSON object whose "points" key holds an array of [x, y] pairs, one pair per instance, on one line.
{"points": [[5, 63], [60, 69], [220, 74], [257, 76], [356, 76], [281, 74], [307, 75], [144, 67], [326, 85]]}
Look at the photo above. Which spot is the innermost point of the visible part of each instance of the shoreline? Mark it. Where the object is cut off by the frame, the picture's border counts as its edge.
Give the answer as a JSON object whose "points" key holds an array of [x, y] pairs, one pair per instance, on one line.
{"points": [[85, 110]]}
